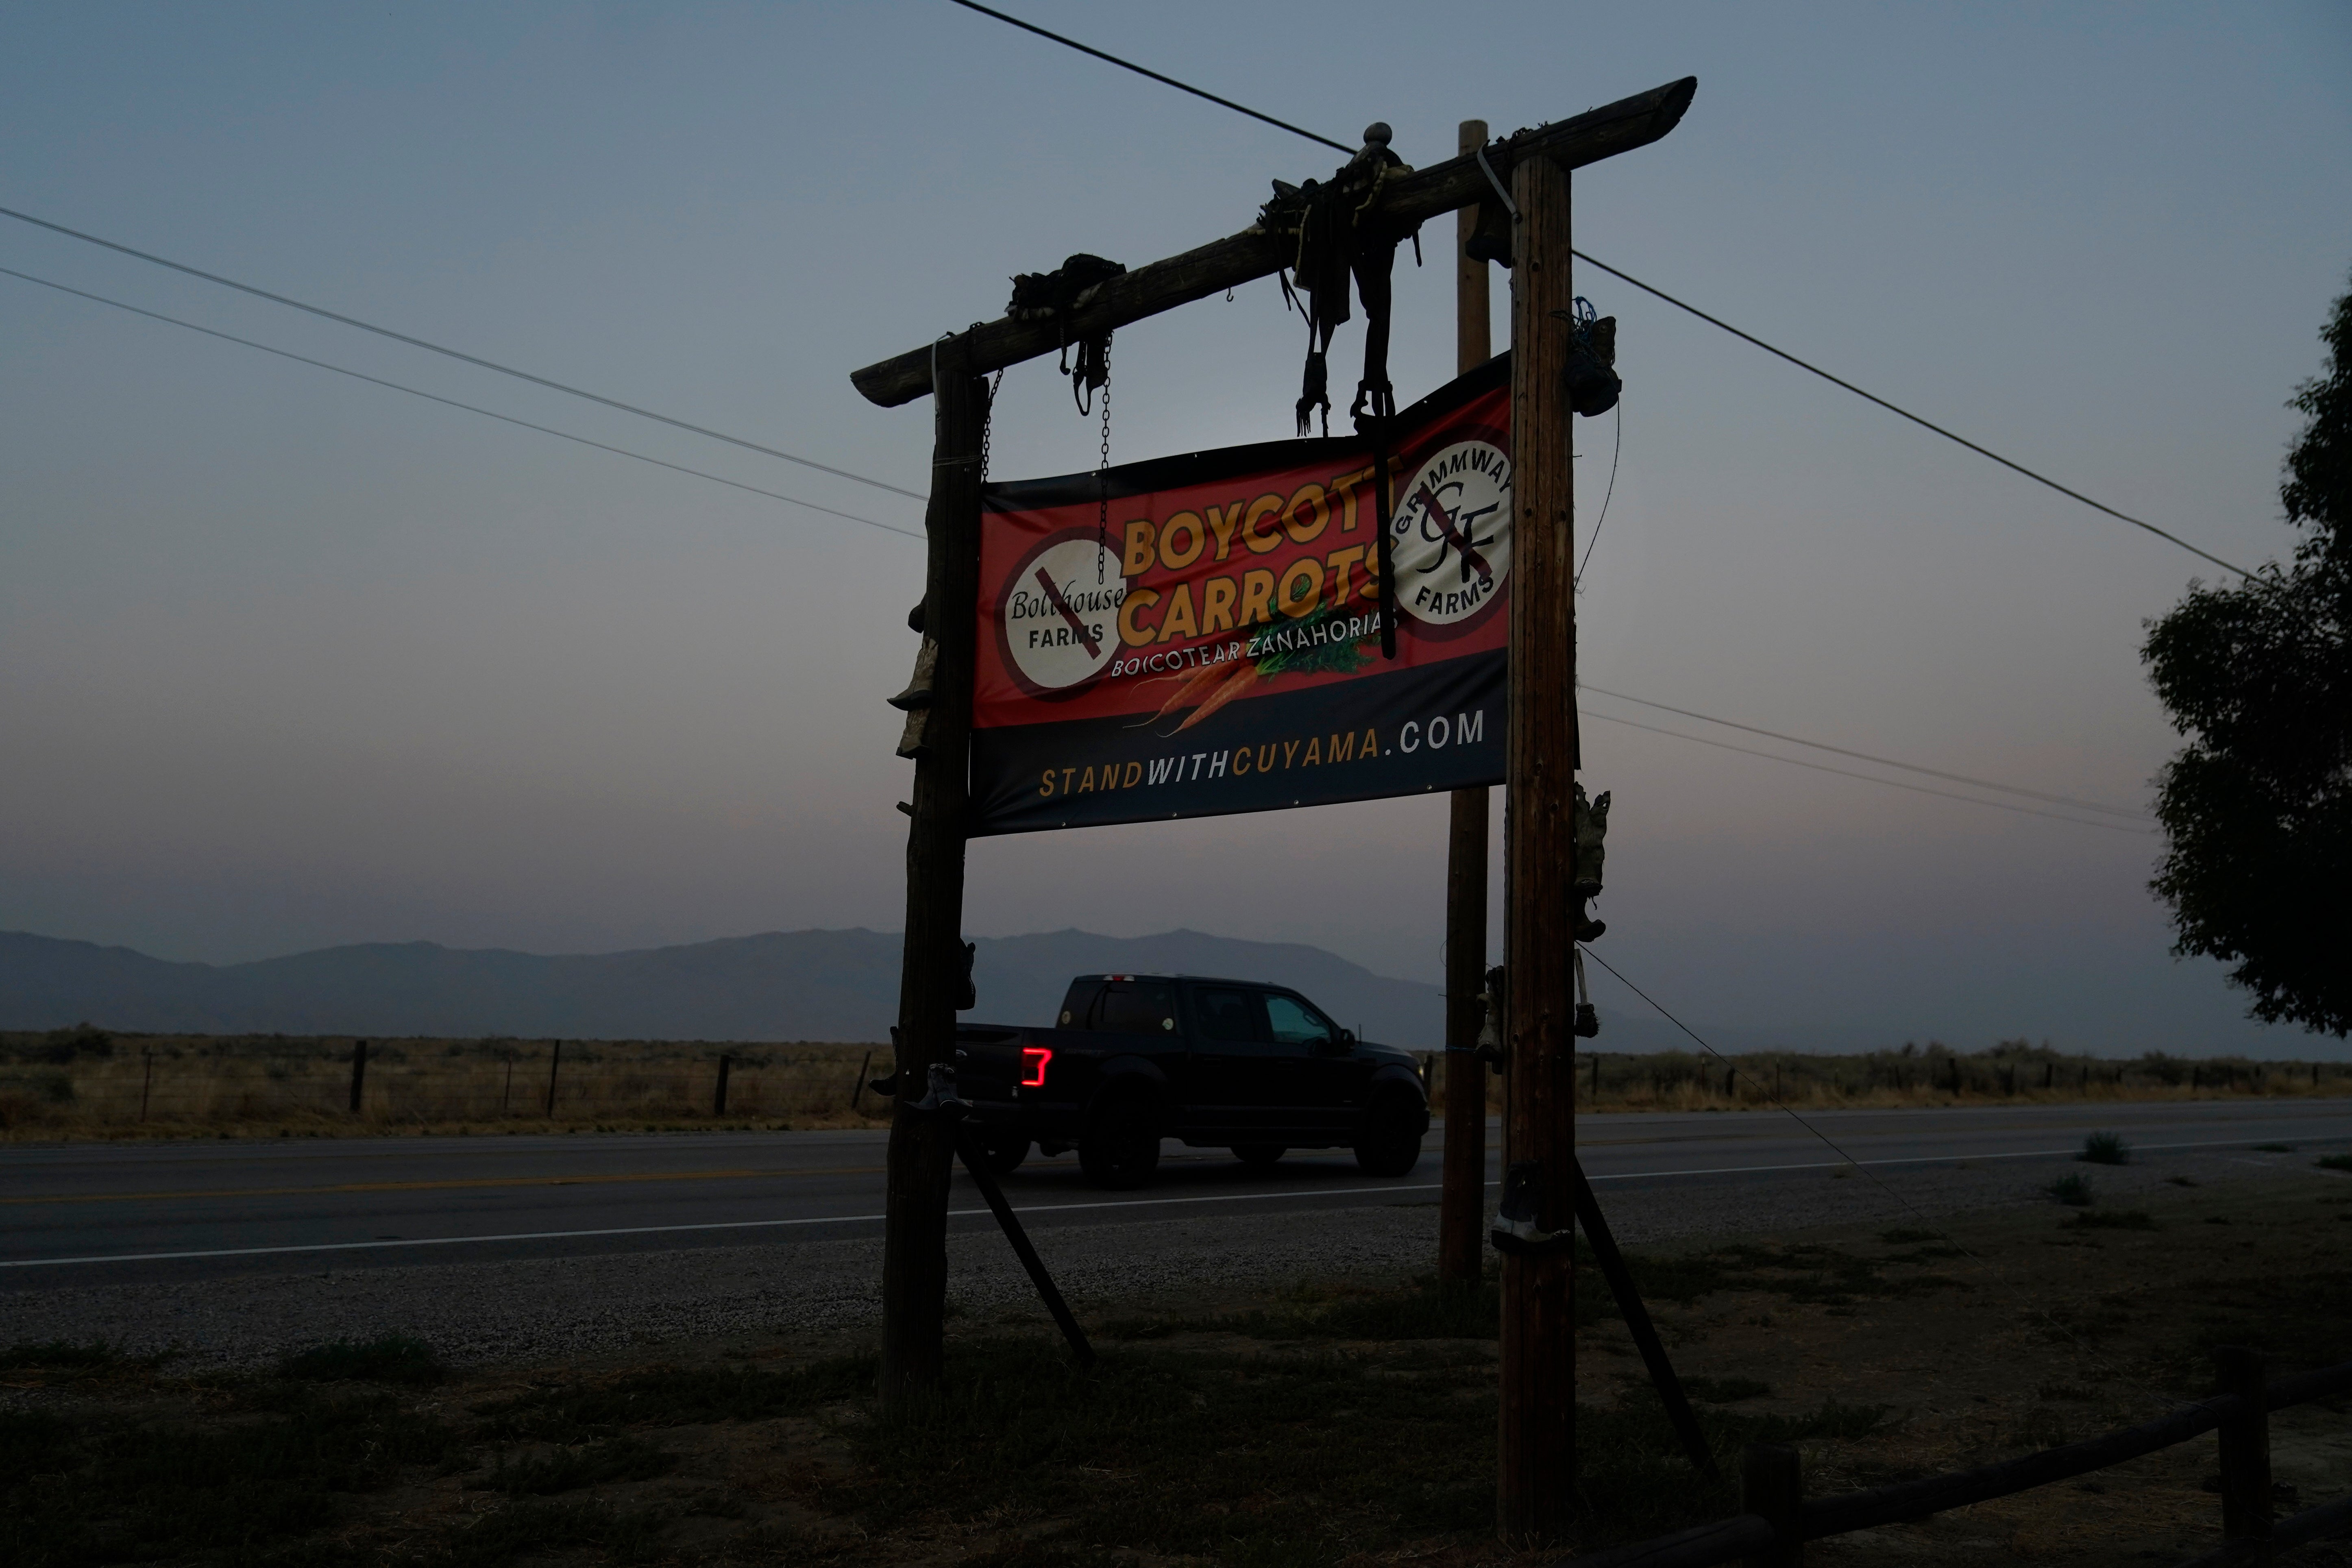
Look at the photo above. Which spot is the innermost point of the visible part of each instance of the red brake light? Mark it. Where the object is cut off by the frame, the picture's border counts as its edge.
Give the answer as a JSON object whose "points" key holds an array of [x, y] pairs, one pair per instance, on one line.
{"points": [[1033, 1064]]}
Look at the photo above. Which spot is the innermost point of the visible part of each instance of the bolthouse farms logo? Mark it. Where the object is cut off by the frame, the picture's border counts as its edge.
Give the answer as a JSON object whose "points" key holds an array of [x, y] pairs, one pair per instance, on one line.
{"points": [[1060, 613], [1450, 544]]}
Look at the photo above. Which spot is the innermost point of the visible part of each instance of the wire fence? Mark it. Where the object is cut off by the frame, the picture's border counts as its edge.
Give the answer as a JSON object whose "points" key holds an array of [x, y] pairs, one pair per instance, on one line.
{"points": [[89, 1082]]}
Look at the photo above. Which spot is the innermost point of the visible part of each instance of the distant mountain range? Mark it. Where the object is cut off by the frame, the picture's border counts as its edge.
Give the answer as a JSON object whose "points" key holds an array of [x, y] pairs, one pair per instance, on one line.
{"points": [[783, 986]]}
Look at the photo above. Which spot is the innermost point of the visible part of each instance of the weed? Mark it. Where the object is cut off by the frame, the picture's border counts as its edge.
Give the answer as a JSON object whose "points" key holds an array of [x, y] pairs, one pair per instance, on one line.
{"points": [[623, 1458], [2105, 1149], [2072, 1190], [2111, 1219], [394, 1358]]}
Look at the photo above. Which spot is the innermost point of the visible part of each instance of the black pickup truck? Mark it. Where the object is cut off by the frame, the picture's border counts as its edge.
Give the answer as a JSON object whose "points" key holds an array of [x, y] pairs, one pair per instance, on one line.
{"points": [[1230, 1064]]}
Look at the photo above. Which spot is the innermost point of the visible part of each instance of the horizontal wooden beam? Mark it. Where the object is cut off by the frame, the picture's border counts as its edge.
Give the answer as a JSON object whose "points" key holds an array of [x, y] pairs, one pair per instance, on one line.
{"points": [[1238, 258]]}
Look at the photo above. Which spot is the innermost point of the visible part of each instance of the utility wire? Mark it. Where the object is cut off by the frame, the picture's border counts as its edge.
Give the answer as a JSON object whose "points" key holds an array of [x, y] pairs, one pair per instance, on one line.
{"points": [[1868, 757], [1669, 298], [1923, 424], [459, 354], [453, 403], [1867, 778], [1163, 80]]}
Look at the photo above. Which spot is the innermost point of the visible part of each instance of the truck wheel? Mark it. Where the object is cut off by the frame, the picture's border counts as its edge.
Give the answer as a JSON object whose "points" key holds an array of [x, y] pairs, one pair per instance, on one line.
{"points": [[1259, 1156], [1003, 1154], [1388, 1142], [1121, 1147]]}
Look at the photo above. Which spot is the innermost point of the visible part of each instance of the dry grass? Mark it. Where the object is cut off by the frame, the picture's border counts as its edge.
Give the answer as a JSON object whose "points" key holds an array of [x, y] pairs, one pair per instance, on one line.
{"points": [[2013, 1072], [87, 1084]]}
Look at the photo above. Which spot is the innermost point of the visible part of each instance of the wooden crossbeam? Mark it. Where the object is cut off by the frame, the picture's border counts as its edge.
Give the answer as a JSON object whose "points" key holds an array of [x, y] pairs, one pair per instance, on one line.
{"points": [[1146, 291]]}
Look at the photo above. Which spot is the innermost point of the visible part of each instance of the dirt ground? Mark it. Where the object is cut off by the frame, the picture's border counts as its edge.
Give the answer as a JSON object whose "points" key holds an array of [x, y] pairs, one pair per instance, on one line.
{"points": [[1312, 1425]]}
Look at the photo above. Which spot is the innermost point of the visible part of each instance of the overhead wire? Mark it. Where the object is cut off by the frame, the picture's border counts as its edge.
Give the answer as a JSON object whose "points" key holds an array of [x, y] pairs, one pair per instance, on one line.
{"points": [[460, 355], [1865, 756], [1669, 298], [453, 403], [1867, 778], [1163, 80]]}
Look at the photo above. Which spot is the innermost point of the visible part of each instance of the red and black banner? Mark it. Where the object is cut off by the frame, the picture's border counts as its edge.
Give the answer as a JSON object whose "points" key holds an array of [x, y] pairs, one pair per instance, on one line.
{"points": [[1215, 645]]}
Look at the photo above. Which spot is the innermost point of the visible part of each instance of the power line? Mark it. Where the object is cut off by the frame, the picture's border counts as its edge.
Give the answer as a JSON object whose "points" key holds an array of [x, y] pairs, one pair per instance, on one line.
{"points": [[1669, 298], [459, 354], [1923, 424], [1866, 757], [1867, 778], [453, 403], [1163, 80]]}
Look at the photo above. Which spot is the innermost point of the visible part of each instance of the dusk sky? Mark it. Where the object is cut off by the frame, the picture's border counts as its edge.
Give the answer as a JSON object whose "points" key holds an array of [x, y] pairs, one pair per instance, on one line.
{"points": [[290, 660]]}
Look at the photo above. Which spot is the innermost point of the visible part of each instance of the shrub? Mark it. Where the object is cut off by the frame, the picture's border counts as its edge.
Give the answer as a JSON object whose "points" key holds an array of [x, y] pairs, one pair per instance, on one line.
{"points": [[2334, 1162], [2072, 1189], [2105, 1149], [395, 1358]]}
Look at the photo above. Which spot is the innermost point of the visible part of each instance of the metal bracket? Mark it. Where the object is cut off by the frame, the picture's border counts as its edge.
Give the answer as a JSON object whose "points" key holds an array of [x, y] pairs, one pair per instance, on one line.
{"points": [[1514, 1232]]}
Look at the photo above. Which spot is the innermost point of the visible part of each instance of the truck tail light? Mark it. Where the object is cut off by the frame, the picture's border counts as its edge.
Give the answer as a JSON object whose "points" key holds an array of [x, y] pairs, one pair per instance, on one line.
{"points": [[1033, 1064]]}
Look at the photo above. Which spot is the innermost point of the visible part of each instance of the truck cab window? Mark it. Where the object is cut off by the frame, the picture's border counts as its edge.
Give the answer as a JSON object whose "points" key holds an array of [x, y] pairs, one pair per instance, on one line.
{"points": [[1222, 1014], [1078, 1004], [1293, 1023], [1129, 1008]]}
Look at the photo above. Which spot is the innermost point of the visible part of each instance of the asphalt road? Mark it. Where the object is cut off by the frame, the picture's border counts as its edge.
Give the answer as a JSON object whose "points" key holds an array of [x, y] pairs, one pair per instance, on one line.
{"points": [[85, 1215]]}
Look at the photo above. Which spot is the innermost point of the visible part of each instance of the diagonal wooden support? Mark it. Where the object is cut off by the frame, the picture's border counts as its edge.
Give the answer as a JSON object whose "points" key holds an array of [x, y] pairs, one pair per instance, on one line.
{"points": [[1238, 258], [975, 1161], [1645, 1332]]}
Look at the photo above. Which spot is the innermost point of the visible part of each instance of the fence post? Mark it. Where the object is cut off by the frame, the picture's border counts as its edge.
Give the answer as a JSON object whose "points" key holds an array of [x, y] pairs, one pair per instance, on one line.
{"points": [[863, 1068], [146, 1083], [506, 1095], [1772, 1487], [2245, 1453], [359, 1074], [554, 1065], [718, 1099]]}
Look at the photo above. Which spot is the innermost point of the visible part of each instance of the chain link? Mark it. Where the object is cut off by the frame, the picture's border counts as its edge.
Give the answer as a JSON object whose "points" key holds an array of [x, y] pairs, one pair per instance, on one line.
{"points": [[988, 422], [1102, 514]]}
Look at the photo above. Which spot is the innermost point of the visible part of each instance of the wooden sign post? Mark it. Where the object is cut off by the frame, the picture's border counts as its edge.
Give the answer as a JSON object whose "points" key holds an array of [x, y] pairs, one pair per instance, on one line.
{"points": [[1537, 1457], [1461, 1196]]}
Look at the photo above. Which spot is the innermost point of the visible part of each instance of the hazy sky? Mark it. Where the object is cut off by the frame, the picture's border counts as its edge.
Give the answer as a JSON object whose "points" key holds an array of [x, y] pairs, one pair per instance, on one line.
{"points": [[289, 660]]}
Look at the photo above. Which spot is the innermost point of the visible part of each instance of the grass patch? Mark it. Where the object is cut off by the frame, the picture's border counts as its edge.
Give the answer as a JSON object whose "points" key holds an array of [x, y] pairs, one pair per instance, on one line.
{"points": [[113, 1490], [533, 1527], [1256, 1459], [673, 1397], [622, 1457], [2110, 1219], [395, 1358], [63, 1355], [2072, 1190], [2105, 1149]]}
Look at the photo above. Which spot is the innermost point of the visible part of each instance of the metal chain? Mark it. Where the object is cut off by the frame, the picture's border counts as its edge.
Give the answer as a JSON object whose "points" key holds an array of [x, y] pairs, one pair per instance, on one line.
{"points": [[1102, 514], [988, 422]]}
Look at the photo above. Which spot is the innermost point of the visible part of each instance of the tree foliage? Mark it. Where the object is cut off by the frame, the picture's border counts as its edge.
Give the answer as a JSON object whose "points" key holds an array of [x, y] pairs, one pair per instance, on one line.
{"points": [[2257, 808]]}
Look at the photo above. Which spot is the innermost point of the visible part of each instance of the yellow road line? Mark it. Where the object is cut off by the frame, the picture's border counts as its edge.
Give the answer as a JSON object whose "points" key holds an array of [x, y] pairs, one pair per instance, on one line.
{"points": [[444, 1186]]}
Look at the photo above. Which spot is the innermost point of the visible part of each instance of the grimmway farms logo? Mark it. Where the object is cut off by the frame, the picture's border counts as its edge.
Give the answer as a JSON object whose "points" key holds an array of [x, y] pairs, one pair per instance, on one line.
{"points": [[1450, 543], [1061, 613]]}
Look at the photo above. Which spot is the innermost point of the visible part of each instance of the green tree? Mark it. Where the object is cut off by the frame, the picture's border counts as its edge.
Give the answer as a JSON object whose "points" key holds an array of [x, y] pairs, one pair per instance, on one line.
{"points": [[2257, 808]]}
